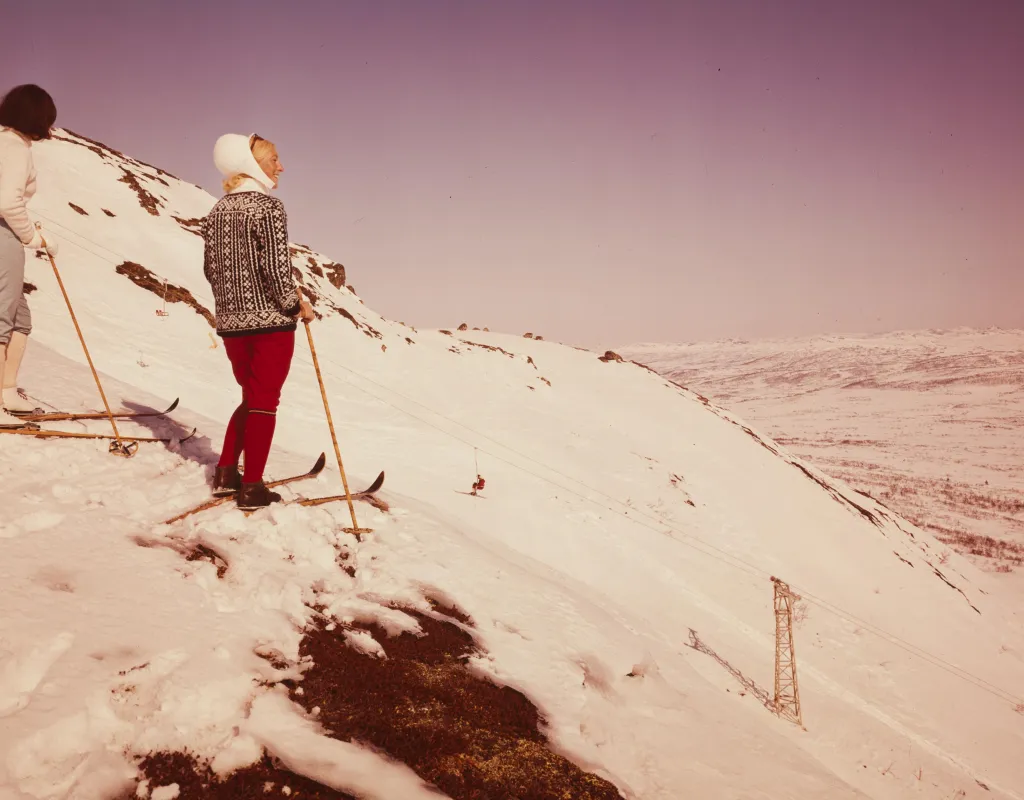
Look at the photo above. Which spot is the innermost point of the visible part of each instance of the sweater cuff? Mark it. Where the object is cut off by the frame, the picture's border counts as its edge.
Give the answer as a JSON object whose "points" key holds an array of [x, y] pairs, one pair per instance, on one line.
{"points": [[293, 311]]}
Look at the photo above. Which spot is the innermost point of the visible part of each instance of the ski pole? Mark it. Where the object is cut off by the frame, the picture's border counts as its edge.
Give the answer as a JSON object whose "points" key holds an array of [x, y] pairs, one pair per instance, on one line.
{"points": [[355, 529], [118, 447]]}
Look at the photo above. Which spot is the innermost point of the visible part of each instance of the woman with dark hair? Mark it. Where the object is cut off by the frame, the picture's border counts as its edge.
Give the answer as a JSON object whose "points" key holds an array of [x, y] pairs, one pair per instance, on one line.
{"points": [[257, 305], [27, 114]]}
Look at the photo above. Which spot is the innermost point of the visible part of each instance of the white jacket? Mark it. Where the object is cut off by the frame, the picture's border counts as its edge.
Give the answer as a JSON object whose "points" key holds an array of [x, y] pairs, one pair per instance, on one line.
{"points": [[17, 185]]}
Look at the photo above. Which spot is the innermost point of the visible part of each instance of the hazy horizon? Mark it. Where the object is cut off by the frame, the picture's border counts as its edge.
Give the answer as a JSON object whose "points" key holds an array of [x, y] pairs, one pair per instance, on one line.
{"points": [[599, 173]]}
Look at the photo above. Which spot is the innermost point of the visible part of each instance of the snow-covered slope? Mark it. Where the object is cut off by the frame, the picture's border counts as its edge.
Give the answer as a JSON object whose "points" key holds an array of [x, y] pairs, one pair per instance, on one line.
{"points": [[626, 519], [927, 421]]}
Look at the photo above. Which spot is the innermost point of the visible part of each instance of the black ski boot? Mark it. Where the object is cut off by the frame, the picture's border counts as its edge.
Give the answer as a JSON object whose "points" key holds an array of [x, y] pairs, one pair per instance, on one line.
{"points": [[226, 481], [256, 495]]}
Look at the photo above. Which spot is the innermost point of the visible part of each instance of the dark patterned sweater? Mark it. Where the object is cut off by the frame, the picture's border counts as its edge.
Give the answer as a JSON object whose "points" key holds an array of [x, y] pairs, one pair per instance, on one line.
{"points": [[247, 263]]}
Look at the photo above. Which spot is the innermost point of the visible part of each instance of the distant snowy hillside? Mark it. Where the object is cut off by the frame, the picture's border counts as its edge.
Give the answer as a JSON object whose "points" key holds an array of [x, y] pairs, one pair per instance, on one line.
{"points": [[598, 624], [929, 422]]}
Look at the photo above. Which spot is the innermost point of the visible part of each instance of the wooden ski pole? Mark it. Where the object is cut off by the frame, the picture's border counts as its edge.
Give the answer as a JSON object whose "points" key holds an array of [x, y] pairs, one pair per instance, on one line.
{"points": [[355, 529], [118, 447]]}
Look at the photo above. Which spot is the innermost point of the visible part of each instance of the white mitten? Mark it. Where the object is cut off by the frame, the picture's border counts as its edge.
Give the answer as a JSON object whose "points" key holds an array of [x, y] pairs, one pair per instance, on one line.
{"points": [[37, 242]]}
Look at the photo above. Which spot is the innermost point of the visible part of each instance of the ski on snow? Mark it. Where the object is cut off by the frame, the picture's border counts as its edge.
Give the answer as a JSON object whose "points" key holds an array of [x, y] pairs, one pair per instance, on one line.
{"points": [[319, 501], [62, 416], [39, 433], [216, 501]]}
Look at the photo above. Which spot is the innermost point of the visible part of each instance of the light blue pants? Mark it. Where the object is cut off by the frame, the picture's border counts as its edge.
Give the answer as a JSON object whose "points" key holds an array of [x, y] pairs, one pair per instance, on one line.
{"points": [[14, 314]]}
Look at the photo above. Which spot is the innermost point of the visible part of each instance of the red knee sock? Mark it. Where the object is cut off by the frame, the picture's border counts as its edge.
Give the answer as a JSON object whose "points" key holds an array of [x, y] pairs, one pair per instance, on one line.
{"points": [[259, 433], [234, 438]]}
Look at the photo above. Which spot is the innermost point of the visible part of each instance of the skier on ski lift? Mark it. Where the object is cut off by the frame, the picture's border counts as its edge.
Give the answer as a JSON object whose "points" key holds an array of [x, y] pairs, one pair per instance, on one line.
{"points": [[248, 265], [27, 115]]}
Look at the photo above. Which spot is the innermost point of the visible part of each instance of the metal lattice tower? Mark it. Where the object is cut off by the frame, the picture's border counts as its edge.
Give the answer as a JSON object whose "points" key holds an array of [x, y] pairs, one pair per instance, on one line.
{"points": [[787, 693]]}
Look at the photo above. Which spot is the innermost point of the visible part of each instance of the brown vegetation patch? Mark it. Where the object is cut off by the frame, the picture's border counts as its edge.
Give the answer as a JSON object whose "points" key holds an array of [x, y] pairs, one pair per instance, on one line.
{"points": [[959, 495], [610, 355], [28, 288], [422, 705], [145, 279], [980, 545], [108, 213], [147, 200], [79, 209], [196, 781]]}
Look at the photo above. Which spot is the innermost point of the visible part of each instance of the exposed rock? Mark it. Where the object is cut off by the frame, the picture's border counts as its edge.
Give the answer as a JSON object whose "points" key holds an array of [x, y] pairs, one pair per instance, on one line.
{"points": [[145, 279], [336, 275], [193, 225], [147, 199]]}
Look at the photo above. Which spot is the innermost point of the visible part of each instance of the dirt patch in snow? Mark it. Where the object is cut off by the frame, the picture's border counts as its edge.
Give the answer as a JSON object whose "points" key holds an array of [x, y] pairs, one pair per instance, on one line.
{"points": [[28, 288], [145, 279], [79, 209], [197, 782], [423, 706]]}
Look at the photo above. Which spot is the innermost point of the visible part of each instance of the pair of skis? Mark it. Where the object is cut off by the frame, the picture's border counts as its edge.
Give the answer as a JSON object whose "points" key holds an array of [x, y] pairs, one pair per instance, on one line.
{"points": [[302, 501], [60, 416], [32, 427]]}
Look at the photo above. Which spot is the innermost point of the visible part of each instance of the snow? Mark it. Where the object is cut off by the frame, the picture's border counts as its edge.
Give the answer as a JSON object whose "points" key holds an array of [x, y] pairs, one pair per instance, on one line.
{"points": [[621, 513], [926, 421]]}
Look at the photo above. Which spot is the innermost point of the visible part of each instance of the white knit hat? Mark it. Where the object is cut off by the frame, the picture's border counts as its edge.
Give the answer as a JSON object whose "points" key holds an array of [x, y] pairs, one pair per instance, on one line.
{"points": [[232, 155]]}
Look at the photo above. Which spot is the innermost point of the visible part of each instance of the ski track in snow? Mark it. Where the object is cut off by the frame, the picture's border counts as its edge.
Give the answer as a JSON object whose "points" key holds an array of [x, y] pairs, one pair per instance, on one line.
{"points": [[621, 512]]}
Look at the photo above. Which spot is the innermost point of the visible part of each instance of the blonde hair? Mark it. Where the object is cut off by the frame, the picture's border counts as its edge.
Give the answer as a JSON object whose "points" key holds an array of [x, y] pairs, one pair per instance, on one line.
{"points": [[261, 148]]}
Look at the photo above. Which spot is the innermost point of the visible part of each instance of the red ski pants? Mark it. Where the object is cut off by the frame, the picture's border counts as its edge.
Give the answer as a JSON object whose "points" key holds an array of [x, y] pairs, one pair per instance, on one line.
{"points": [[260, 362]]}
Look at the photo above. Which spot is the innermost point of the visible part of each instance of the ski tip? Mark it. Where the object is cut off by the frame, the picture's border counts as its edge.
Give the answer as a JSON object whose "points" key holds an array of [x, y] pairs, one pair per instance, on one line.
{"points": [[375, 485], [319, 465], [172, 406], [186, 438]]}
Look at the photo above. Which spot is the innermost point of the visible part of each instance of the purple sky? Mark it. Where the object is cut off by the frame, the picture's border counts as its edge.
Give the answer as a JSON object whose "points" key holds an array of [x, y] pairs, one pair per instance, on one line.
{"points": [[596, 172]]}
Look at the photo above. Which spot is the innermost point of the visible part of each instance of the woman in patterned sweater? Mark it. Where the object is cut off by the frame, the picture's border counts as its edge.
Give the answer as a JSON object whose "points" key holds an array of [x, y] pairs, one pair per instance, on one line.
{"points": [[247, 263]]}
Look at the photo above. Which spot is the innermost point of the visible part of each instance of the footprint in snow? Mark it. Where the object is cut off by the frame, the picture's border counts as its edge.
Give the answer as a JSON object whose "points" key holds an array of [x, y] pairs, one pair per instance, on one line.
{"points": [[55, 579], [40, 520], [21, 676]]}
